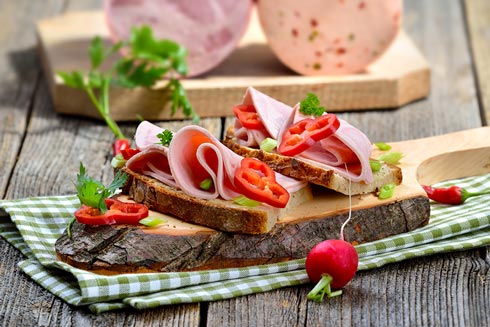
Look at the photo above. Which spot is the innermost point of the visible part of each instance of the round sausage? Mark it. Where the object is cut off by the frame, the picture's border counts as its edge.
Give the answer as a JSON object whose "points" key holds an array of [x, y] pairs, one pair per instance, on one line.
{"points": [[329, 37], [209, 29]]}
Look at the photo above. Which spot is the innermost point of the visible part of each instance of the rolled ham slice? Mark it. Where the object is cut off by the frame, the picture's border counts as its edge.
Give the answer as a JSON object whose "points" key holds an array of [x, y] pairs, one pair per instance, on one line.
{"points": [[195, 154], [272, 112], [347, 152], [209, 29], [153, 161], [329, 37]]}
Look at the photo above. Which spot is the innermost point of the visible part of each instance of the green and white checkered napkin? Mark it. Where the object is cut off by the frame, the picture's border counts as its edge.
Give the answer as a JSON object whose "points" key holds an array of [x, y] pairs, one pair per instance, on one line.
{"points": [[36, 223]]}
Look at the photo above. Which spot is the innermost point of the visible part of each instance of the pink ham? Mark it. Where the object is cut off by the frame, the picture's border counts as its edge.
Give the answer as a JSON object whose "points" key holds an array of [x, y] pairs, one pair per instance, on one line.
{"points": [[146, 134], [273, 114], [329, 37], [195, 154], [152, 161], [343, 152], [209, 29]]}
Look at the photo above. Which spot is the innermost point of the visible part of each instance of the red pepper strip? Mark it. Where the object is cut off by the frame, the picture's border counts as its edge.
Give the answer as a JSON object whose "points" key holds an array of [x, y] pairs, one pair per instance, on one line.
{"points": [[450, 195], [119, 145], [118, 212], [306, 132], [129, 152], [257, 181], [248, 116]]}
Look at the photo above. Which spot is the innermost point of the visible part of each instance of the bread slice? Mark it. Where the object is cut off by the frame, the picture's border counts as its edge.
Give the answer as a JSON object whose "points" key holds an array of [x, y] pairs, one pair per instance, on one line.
{"points": [[218, 214], [303, 170]]}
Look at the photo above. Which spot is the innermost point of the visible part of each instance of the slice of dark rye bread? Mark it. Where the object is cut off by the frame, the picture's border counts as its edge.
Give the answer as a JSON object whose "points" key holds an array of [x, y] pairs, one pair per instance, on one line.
{"points": [[218, 214], [303, 170]]}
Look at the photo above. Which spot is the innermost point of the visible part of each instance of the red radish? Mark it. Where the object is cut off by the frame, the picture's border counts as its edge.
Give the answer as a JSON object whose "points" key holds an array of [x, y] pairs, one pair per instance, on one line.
{"points": [[330, 264]]}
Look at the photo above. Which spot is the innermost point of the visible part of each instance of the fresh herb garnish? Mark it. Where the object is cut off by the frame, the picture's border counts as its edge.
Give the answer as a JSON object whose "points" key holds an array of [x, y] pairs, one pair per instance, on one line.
{"points": [[165, 137], [148, 61], [311, 106], [93, 193]]}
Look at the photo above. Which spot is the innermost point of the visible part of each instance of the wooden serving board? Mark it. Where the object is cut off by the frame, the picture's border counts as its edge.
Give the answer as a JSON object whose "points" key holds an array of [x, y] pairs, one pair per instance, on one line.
{"points": [[400, 76], [177, 246]]}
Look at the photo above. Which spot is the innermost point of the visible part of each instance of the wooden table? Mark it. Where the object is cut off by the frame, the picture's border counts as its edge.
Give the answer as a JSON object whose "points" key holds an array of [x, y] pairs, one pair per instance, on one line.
{"points": [[41, 150]]}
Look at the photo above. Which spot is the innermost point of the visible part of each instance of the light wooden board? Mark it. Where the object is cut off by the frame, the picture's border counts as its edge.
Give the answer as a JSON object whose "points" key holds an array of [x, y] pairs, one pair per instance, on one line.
{"points": [[426, 161], [400, 76]]}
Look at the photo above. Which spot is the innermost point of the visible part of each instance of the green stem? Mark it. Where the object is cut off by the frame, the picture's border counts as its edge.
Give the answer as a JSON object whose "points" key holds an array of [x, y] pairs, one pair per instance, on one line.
{"points": [[321, 288], [104, 107]]}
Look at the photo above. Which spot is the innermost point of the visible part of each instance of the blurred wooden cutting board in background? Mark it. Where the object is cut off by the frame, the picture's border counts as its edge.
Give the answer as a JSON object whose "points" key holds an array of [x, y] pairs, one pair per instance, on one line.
{"points": [[400, 76]]}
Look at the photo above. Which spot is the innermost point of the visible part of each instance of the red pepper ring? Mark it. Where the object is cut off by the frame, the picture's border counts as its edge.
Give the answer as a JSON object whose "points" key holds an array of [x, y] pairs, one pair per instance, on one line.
{"points": [[247, 115], [118, 213], [303, 134], [257, 181], [129, 152]]}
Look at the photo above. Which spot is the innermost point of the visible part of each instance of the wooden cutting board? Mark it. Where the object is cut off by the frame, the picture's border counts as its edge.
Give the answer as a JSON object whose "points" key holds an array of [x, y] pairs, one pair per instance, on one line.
{"points": [[400, 76], [178, 246]]}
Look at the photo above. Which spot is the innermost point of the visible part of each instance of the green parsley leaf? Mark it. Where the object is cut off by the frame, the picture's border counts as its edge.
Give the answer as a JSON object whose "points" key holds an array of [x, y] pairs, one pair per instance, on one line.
{"points": [[311, 106], [149, 61], [96, 52], [165, 137], [73, 79], [93, 193]]}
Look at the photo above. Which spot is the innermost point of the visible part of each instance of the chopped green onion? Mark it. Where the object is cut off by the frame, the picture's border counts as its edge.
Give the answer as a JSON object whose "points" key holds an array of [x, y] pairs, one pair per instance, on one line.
{"points": [[383, 146], [70, 225], [391, 157], [118, 161], [375, 165], [206, 184], [268, 144], [244, 201], [386, 191], [152, 221]]}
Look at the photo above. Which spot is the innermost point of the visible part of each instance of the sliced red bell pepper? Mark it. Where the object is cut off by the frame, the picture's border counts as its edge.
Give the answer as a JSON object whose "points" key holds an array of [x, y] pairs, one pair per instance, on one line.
{"points": [[303, 134], [257, 181], [129, 152], [119, 145], [118, 213], [248, 116]]}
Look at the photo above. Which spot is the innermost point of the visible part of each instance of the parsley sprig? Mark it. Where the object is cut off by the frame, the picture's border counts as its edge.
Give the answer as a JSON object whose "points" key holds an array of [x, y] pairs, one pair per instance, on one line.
{"points": [[148, 61], [165, 137], [93, 193], [311, 106]]}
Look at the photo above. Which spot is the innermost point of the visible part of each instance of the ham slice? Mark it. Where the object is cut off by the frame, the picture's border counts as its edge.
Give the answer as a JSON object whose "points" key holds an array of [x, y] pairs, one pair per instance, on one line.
{"points": [[347, 152], [153, 161], [209, 29], [146, 134], [272, 112], [195, 154], [336, 37]]}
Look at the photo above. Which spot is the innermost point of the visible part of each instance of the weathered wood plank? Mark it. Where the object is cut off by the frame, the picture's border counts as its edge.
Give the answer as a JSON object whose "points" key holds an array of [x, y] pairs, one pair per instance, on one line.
{"points": [[19, 75], [428, 291], [478, 19]]}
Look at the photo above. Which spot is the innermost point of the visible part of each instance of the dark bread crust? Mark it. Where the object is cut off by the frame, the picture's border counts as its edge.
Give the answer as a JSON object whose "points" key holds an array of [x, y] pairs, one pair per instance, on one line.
{"points": [[302, 170], [217, 214]]}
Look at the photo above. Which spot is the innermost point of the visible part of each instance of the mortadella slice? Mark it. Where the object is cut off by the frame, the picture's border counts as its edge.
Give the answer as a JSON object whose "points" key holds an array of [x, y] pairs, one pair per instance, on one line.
{"points": [[209, 29], [329, 37]]}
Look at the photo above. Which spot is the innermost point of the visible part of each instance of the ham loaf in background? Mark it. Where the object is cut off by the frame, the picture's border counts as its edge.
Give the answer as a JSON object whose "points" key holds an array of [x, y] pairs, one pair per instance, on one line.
{"points": [[209, 29], [329, 37]]}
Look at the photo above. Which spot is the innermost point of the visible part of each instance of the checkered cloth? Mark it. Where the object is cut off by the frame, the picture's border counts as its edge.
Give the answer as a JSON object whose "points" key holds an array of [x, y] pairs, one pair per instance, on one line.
{"points": [[36, 223]]}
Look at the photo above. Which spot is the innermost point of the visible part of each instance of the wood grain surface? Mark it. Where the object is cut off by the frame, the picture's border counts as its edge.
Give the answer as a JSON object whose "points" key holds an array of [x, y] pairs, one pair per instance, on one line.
{"points": [[41, 150]]}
